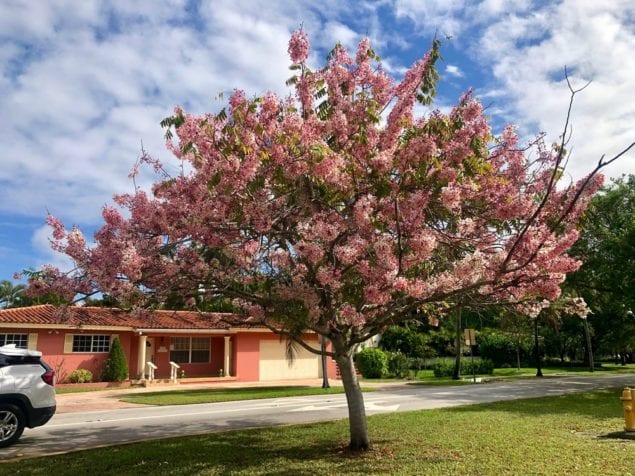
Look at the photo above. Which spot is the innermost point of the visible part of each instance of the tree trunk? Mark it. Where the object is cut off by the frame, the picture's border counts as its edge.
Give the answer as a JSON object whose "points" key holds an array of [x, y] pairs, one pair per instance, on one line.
{"points": [[355, 400], [456, 374]]}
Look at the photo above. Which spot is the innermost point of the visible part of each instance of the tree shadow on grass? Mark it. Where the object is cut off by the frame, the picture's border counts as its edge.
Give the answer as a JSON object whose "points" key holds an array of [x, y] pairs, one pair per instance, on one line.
{"points": [[281, 450]]}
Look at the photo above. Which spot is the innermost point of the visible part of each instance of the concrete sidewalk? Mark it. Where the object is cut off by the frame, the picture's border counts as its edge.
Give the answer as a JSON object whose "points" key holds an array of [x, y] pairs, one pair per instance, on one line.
{"points": [[109, 399]]}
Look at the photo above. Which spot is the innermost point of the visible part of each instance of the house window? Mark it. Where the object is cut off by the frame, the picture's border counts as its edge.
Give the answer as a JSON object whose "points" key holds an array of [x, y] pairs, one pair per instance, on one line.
{"points": [[189, 350], [20, 340], [91, 343]]}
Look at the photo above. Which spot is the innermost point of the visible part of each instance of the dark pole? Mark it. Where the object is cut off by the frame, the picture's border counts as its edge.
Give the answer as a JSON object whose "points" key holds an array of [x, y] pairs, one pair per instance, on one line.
{"points": [[472, 356], [325, 377], [537, 348], [456, 374], [588, 344]]}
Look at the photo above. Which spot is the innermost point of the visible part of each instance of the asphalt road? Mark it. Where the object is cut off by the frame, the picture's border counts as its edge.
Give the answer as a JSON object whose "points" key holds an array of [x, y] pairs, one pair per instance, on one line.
{"points": [[74, 431]]}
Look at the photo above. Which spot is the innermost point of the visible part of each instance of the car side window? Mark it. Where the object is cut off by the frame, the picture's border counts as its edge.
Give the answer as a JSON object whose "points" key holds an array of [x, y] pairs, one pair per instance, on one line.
{"points": [[6, 360]]}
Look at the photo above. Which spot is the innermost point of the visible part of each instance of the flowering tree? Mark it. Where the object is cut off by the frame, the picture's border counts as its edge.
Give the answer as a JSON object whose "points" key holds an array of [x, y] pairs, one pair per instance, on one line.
{"points": [[338, 212]]}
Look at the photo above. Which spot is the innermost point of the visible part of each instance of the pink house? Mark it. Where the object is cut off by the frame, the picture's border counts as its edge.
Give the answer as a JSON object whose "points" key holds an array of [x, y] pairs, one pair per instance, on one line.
{"points": [[202, 344]]}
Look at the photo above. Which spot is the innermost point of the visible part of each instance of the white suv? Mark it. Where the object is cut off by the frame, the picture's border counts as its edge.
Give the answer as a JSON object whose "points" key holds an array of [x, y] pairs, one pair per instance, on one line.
{"points": [[27, 392]]}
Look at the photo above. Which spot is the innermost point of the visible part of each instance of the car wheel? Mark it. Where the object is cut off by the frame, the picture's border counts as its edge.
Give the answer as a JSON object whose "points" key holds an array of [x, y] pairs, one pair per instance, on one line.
{"points": [[11, 424]]}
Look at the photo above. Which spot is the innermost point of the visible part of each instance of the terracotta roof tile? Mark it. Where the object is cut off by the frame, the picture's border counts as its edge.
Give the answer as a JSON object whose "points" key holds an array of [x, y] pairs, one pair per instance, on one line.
{"points": [[112, 317]]}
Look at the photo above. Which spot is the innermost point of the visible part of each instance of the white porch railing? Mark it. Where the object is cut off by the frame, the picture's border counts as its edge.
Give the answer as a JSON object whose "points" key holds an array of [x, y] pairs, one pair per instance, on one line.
{"points": [[174, 367], [151, 368]]}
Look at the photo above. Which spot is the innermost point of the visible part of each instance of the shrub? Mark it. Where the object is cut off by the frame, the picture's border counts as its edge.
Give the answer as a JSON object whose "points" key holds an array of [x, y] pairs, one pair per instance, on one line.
{"points": [[416, 363], [501, 349], [372, 362], [116, 368], [398, 364], [445, 367], [80, 376]]}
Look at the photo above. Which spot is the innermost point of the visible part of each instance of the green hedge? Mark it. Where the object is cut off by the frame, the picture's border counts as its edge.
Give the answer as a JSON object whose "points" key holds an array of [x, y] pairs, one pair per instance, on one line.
{"points": [[445, 368], [501, 349], [398, 364], [372, 362]]}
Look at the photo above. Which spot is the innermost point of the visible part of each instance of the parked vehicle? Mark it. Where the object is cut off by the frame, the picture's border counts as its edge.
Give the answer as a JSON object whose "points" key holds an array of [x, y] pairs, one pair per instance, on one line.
{"points": [[27, 392]]}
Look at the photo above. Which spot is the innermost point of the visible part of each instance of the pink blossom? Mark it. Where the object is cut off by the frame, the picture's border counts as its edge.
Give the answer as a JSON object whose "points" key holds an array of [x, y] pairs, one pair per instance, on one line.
{"points": [[314, 202], [299, 47]]}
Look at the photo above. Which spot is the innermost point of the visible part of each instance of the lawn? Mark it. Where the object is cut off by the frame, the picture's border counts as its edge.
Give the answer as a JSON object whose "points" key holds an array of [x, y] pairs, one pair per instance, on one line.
{"points": [[207, 395], [426, 377], [605, 369], [80, 389], [555, 435]]}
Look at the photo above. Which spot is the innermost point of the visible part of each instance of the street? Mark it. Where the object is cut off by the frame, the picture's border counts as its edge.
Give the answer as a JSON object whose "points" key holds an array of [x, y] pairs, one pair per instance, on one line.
{"points": [[82, 430]]}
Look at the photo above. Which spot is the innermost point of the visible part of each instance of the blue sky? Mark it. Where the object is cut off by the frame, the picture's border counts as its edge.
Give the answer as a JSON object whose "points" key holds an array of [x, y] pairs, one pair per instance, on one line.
{"points": [[85, 83]]}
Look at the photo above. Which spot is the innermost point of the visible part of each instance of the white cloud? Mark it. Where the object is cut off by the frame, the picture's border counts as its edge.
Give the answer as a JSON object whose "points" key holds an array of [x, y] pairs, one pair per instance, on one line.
{"points": [[595, 41], [493, 8], [523, 46], [82, 84], [40, 242], [454, 71], [81, 103], [434, 15], [336, 32]]}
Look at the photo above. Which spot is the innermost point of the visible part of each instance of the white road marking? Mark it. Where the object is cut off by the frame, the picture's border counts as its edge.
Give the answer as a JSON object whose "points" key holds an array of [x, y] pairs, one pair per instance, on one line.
{"points": [[370, 406]]}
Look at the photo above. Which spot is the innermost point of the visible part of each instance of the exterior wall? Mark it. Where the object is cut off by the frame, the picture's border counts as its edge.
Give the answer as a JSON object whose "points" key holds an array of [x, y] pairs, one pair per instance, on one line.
{"points": [[331, 365], [133, 365], [246, 356], [162, 355], [218, 355], [51, 344], [203, 369]]}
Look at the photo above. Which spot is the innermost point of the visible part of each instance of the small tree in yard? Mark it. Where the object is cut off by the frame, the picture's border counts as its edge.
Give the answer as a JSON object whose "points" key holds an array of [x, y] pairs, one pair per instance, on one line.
{"points": [[315, 214], [116, 367]]}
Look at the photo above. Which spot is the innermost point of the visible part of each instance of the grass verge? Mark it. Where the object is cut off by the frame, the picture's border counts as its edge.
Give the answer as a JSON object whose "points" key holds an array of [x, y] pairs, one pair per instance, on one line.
{"points": [[207, 395], [426, 377], [555, 435], [61, 391]]}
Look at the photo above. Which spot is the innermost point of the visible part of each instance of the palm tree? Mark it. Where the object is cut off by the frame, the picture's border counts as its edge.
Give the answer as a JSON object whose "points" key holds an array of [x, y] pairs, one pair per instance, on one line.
{"points": [[11, 295]]}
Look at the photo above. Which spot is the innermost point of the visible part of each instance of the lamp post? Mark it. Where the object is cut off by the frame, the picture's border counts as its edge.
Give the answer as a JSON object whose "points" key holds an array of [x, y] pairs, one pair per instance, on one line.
{"points": [[537, 349], [587, 335]]}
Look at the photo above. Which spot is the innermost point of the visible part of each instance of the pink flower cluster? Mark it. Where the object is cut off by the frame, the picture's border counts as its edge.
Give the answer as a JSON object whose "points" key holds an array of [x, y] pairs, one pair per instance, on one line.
{"points": [[299, 47], [314, 203]]}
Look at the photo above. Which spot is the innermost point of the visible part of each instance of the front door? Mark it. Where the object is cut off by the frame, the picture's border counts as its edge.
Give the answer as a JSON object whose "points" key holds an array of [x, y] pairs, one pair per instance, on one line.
{"points": [[150, 350]]}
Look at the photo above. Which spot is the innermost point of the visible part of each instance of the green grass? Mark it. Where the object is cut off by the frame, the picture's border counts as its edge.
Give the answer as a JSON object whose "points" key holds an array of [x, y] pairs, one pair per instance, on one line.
{"points": [[207, 395], [86, 389], [426, 377], [605, 369], [555, 435]]}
